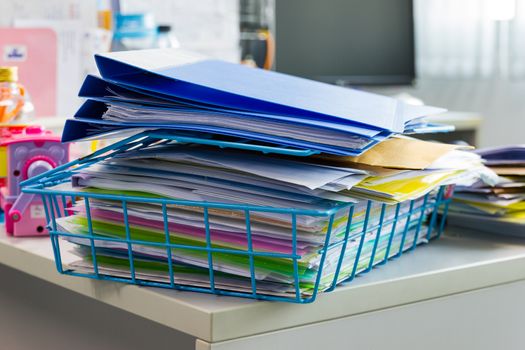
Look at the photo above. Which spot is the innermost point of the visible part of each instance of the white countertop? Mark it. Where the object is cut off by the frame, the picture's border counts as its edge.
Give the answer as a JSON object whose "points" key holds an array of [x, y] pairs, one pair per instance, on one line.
{"points": [[456, 263]]}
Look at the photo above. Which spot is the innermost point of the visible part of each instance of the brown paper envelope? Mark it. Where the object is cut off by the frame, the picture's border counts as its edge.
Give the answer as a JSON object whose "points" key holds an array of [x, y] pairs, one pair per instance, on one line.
{"points": [[397, 153]]}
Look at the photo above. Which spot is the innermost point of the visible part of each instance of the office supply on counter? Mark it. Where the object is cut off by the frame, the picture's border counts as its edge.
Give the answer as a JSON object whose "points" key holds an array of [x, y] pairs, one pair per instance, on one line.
{"points": [[497, 207], [25, 152], [34, 52], [221, 188], [191, 217]]}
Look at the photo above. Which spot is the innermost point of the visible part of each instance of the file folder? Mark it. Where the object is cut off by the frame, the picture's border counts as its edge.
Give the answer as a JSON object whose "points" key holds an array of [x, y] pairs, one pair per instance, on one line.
{"points": [[233, 86], [186, 93], [88, 124], [97, 89]]}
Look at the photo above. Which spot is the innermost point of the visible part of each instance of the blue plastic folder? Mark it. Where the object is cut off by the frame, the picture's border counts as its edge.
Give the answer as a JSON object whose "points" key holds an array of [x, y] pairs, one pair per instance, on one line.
{"points": [[177, 81], [235, 86], [88, 123], [95, 88]]}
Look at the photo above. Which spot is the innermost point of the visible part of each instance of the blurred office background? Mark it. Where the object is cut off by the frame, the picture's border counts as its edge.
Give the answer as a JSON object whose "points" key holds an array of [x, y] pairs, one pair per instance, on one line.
{"points": [[470, 56], [467, 56]]}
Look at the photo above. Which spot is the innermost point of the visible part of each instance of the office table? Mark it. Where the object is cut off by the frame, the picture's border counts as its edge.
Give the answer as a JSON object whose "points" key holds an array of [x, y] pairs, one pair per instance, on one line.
{"points": [[464, 291]]}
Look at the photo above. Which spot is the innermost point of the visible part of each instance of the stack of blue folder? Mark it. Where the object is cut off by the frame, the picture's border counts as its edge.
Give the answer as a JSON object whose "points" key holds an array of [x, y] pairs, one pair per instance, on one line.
{"points": [[163, 208], [199, 97]]}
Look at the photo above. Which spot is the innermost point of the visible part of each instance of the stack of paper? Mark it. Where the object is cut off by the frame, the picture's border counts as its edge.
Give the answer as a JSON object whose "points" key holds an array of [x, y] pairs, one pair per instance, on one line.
{"points": [[173, 89], [495, 206], [204, 174], [360, 168], [269, 233]]}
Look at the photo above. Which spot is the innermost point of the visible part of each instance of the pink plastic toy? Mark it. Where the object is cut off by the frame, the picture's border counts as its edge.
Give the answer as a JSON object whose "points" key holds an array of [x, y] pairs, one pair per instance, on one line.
{"points": [[28, 152]]}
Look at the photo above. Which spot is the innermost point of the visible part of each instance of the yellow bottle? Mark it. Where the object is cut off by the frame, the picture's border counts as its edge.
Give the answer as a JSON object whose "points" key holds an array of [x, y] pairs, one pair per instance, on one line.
{"points": [[13, 96]]}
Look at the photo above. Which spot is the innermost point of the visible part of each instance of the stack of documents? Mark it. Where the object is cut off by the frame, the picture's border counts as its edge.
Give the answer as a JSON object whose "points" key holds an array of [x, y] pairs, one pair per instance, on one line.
{"points": [[496, 206], [407, 169], [359, 166], [192, 95], [202, 173]]}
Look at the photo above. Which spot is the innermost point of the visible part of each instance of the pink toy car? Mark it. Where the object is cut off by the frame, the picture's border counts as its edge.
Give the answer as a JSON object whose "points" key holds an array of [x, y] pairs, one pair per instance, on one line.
{"points": [[27, 152]]}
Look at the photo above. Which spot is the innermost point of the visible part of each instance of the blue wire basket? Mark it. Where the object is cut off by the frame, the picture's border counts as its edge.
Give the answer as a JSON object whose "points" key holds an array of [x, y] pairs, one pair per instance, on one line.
{"points": [[356, 237]]}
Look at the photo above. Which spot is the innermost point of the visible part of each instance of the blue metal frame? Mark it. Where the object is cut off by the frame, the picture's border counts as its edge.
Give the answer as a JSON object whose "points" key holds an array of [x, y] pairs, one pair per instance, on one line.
{"points": [[364, 257]]}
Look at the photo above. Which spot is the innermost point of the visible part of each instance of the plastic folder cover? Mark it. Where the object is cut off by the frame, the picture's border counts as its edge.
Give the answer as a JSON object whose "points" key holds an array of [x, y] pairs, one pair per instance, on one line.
{"points": [[88, 121], [232, 86], [97, 89]]}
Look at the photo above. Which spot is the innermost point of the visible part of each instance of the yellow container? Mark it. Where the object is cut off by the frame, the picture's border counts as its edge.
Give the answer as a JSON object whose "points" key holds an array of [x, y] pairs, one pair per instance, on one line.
{"points": [[3, 162]]}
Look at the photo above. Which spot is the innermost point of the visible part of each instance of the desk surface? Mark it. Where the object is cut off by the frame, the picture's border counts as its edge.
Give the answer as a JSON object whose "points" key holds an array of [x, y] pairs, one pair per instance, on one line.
{"points": [[458, 262]]}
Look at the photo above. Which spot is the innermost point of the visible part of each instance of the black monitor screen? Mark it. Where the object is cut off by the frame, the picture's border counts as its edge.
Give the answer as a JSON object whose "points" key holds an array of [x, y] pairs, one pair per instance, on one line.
{"points": [[346, 42]]}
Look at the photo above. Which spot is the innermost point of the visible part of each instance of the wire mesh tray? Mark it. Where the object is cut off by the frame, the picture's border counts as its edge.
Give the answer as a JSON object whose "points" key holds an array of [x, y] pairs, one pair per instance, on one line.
{"points": [[311, 251]]}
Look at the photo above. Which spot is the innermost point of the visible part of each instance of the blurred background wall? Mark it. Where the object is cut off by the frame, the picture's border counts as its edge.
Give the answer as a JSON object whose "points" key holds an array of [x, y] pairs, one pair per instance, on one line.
{"points": [[207, 26], [468, 55]]}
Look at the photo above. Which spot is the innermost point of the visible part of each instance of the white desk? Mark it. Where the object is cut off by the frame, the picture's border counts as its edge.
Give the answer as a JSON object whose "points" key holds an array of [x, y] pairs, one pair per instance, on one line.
{"points": [[464, 291]]}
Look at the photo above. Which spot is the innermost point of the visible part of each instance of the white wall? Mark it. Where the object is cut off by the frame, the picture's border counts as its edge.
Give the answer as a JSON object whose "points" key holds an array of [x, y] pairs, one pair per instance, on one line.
{"points": [[500, 102], [470, 56]]}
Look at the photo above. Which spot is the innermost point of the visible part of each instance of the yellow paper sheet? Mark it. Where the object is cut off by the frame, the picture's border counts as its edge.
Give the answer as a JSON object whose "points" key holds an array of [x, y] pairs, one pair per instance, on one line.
{"points": [[493, 208], [404, 188]]}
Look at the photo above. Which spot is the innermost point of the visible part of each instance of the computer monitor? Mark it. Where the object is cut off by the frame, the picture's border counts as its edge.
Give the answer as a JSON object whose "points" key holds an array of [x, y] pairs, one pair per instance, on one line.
{"points": [[346, 42]]}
